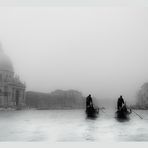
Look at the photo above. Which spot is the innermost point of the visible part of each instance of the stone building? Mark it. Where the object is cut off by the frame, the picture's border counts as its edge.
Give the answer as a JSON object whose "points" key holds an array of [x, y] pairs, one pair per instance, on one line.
{"points": [[12, 90]]}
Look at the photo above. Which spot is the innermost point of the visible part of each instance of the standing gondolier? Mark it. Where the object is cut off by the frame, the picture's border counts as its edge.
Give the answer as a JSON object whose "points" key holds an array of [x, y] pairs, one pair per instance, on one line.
{"points": [[89, 102], [120, 103]]}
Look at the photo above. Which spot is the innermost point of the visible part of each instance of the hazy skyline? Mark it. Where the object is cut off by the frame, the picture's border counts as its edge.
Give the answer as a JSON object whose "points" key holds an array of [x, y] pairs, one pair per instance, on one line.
{"points": [[97, 50]]}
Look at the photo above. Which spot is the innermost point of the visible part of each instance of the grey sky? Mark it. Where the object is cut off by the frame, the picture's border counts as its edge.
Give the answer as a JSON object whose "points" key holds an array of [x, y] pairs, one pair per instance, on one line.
{"points": [[74, 3], [98, 50]]}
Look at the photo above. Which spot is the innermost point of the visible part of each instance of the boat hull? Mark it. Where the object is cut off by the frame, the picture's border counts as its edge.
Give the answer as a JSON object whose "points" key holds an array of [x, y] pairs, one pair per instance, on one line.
{"points": [[92, 113], [122, 115]]}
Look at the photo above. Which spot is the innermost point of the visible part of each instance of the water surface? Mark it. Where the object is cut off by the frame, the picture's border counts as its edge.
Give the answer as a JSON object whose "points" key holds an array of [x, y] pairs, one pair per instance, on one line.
{"points": [[70, 125]]}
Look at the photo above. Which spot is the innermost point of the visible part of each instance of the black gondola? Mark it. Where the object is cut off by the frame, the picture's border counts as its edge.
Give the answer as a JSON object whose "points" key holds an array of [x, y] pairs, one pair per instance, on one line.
{"points": [[92, 112], [123, 113]]}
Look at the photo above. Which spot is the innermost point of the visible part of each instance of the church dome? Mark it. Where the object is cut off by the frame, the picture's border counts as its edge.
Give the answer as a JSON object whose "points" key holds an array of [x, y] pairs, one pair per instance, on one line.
{"points": [[5, 62]]}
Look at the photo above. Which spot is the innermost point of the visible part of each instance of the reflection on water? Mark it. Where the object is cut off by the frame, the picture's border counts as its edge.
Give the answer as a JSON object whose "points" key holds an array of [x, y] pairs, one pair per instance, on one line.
{"points": [[90, 129], [70, 125]]}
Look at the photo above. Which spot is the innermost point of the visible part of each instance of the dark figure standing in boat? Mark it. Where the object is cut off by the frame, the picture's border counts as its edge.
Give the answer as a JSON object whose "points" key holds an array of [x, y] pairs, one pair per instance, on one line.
{"points": [[90, 110], [89, 102], [122, 112], [120, 102]]}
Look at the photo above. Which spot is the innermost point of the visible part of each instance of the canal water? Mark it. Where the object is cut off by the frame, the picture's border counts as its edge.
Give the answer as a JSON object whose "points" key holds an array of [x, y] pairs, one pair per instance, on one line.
{"points": [[71, 125]]}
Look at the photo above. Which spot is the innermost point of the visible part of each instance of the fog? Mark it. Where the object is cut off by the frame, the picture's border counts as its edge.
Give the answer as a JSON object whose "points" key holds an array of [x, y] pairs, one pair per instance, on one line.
{"points": [[74, 3], [97, 50]]}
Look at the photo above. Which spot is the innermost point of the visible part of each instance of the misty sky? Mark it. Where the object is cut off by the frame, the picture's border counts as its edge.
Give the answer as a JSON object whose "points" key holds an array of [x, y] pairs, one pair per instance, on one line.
{"points": [[97, 50], [74, 3]]}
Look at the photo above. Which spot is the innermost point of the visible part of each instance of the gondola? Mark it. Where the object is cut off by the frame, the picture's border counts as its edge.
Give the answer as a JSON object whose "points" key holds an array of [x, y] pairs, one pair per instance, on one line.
{"points": [[123, 113], [92, 112]]}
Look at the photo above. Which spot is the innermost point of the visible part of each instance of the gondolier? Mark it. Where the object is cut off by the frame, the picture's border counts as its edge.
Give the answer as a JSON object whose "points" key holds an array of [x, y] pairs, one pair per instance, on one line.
{"points": [[89, 102], [120, 103]]}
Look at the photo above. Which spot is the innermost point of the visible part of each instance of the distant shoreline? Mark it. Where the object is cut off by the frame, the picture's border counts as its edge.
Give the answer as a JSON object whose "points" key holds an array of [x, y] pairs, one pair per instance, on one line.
{"points": [[14, 109]]}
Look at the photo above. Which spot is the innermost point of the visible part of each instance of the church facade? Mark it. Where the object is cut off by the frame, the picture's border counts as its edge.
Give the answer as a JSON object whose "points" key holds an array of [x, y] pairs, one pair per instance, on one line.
{"points": [[12, 90]]}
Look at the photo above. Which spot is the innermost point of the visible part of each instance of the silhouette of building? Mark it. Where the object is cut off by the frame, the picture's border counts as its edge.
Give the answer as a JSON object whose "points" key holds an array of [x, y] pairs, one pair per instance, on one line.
{"points": [[12, 90]]}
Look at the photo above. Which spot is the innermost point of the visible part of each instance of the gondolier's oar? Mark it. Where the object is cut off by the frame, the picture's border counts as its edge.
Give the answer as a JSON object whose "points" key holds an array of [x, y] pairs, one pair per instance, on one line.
{"points": [[137, 114], [102, 110]]}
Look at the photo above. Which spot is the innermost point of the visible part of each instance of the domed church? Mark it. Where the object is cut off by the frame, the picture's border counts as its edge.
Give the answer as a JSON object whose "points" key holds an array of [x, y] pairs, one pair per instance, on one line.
{"points": [[12, 90]]}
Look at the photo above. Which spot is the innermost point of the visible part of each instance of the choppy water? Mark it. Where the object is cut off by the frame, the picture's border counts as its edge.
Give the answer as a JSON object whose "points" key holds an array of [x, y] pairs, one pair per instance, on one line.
{"points": [[70, 125]]}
